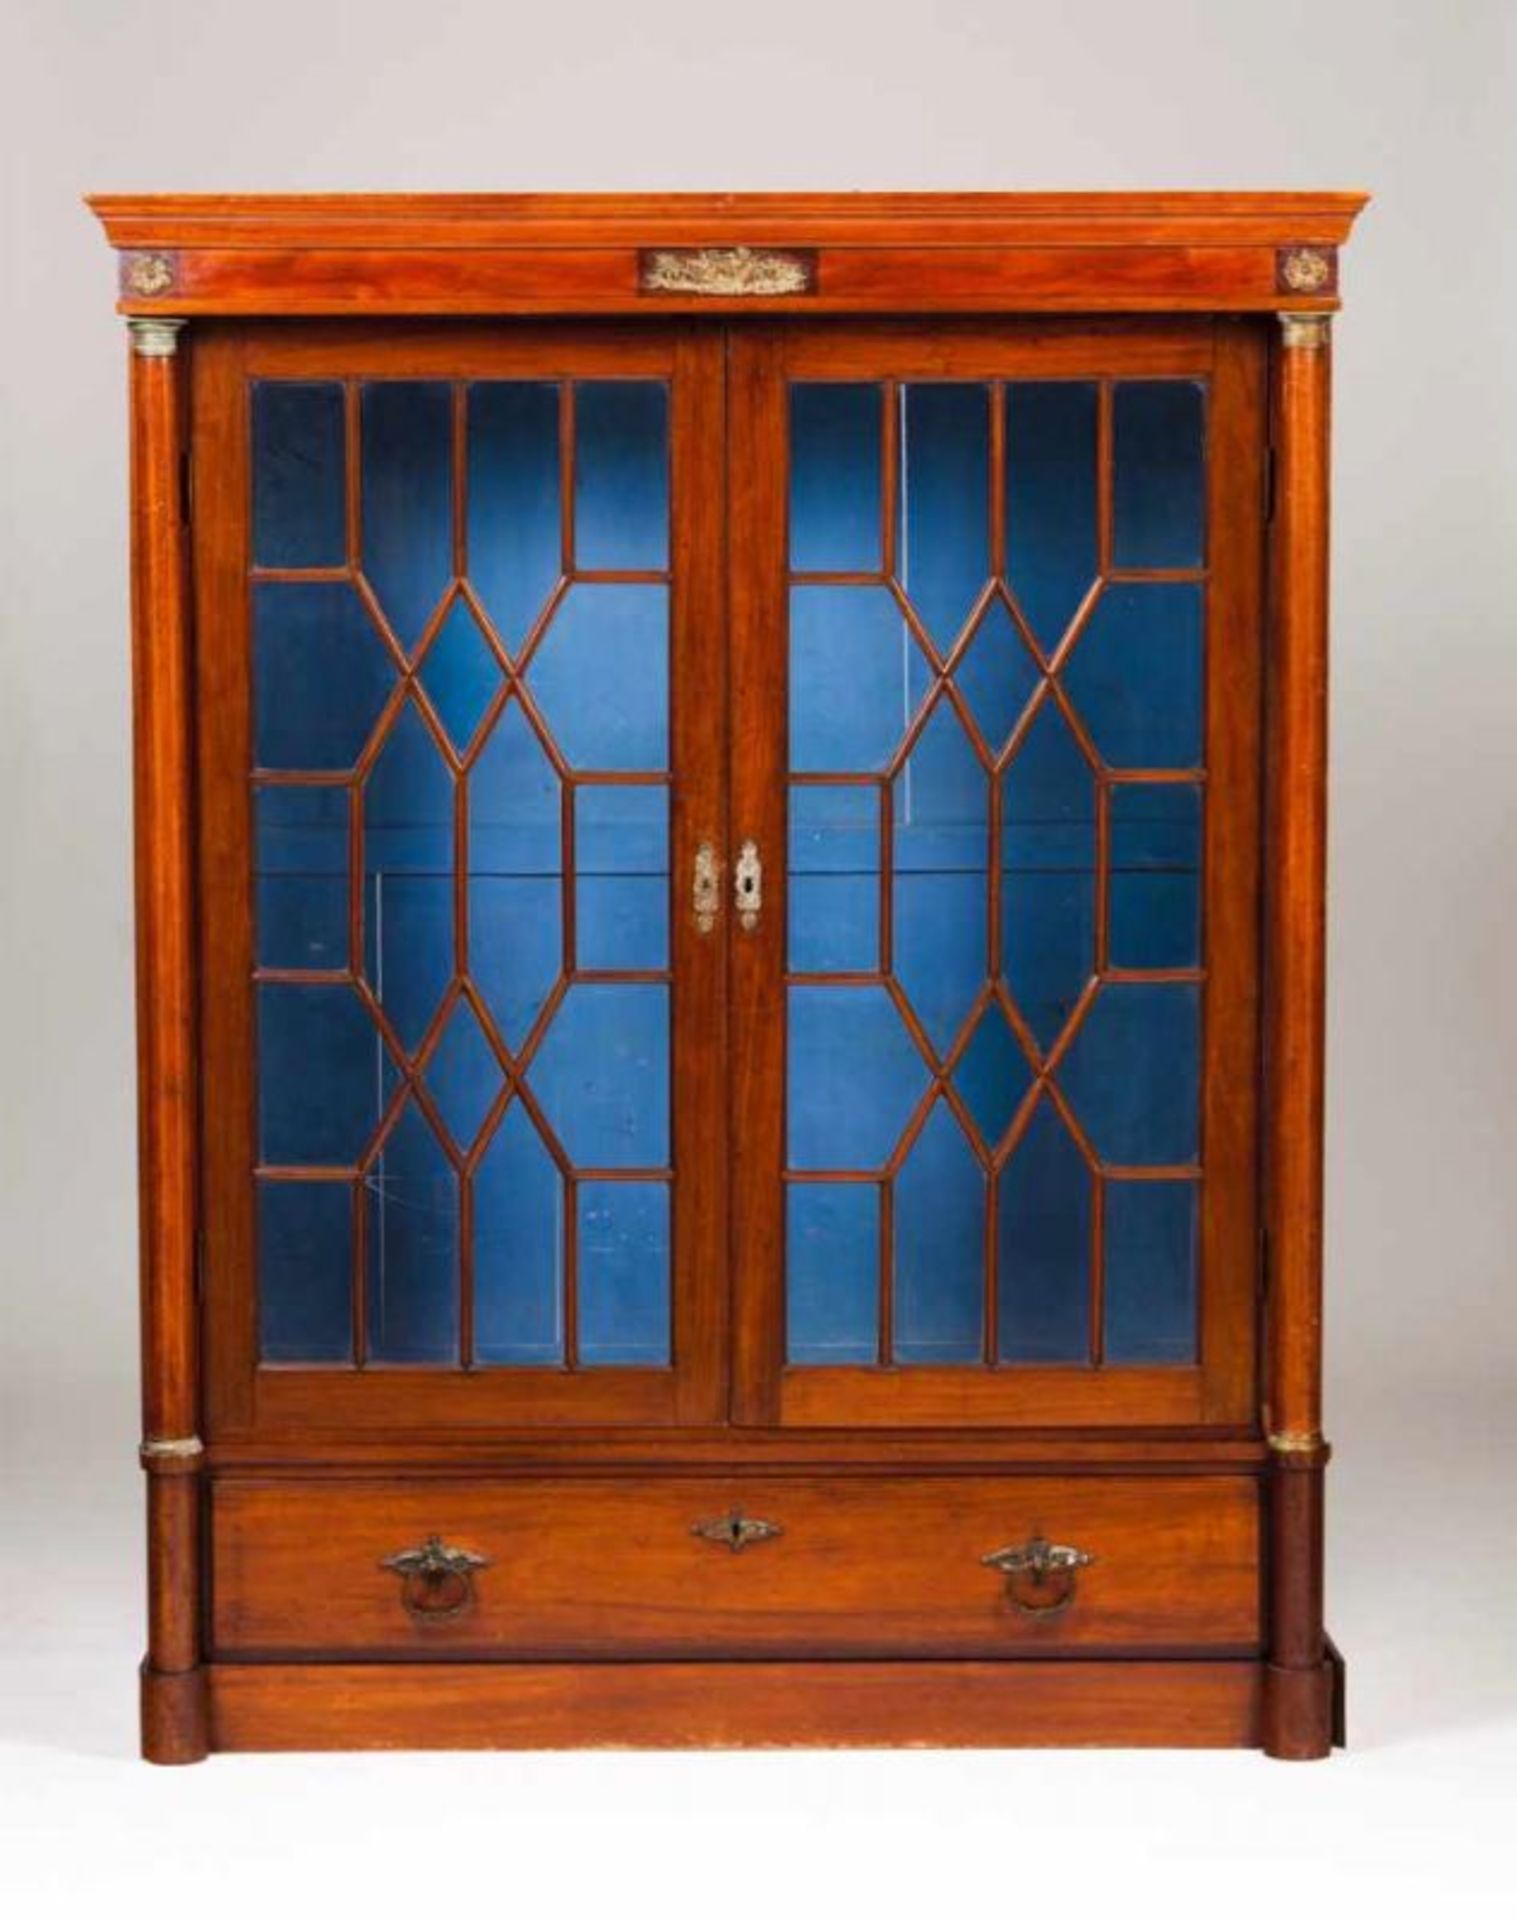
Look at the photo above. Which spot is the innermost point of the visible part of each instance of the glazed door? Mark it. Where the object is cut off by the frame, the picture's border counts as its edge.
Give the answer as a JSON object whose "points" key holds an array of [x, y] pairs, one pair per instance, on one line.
{"points": [[996, 623], [464, 1131]]}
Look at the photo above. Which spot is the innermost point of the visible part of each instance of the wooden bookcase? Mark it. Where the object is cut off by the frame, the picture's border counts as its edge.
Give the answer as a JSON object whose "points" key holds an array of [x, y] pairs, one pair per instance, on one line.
{"points": [[730, 828]]}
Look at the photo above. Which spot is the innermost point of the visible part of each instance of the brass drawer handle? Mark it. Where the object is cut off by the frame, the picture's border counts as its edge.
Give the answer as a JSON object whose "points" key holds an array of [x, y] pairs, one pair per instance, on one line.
{"points": [[706, 889], [736, 1531], [1040, 1575], [748, 886], [436, 1580]]}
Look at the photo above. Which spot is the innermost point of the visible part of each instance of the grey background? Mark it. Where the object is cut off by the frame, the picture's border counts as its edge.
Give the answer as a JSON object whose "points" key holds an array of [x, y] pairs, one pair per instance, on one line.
{"points": [[1411, 100]]}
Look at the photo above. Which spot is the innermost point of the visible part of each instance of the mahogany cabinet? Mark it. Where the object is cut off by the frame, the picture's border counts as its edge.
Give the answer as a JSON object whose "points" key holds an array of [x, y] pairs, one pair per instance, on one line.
{"points": [[730, 892]]}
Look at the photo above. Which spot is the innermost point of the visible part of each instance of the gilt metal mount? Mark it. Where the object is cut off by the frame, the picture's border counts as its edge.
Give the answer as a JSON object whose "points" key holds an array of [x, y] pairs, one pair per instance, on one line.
{"points": [[1306, 269], [437, 1581], [748, 886], [1040, 1574], [184, 1449], [155, 339], [706, 888], [736, 1531], [726, 271], [1308, 332], [146, 275]]}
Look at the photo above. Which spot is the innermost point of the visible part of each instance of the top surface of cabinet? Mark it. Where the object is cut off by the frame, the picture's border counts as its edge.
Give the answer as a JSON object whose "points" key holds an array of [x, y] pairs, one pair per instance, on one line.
{"points": [[620, 253]]}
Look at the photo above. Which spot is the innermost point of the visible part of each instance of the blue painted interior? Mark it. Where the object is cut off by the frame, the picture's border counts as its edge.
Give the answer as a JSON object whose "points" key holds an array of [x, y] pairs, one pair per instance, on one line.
{"points": [[860, 681], [624, 1237], [1159, 486], [406, 499], [939, 1248], [305, 1244], [1151, 1271], [1051, 480], [1043, 1246], [621, 474], [859, 678], [299, 475], [600, 678], [514, 531], [832, 1257]]}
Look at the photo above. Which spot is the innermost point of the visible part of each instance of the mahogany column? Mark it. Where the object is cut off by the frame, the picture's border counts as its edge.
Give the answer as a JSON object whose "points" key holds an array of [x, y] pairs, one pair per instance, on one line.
{"points": [[1297, 1719], [173, 1679]]}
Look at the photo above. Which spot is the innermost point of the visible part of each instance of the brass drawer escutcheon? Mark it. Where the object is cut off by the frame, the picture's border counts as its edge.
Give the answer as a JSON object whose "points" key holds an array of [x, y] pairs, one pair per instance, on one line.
{"points": [[436, 1580], [736, 1531], [1040, 1575]]}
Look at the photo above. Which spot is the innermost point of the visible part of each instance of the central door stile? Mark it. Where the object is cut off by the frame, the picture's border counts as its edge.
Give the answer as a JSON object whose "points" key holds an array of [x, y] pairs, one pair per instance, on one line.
{"points": [[757, 492], [699, 695]]}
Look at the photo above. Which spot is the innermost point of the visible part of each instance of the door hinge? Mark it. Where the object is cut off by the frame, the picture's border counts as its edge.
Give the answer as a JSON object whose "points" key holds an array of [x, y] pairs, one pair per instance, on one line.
{"points": [[1269, 483], [186, 487], [1263, 1275]]}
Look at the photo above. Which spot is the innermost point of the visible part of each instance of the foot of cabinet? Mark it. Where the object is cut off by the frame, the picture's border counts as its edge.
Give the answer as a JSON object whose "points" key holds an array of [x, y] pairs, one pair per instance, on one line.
{"points": [[175, 1717]]}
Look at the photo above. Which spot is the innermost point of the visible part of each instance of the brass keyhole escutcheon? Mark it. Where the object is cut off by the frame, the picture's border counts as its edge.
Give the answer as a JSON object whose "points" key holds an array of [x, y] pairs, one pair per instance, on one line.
{"points": [[748, 886], [436, 1580], [706, 888], [1040, 1574], [736, 1531]]}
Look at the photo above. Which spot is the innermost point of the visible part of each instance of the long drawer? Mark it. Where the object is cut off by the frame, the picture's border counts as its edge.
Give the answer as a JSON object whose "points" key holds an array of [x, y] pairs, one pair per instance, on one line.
{"points": [[720, 1566]]}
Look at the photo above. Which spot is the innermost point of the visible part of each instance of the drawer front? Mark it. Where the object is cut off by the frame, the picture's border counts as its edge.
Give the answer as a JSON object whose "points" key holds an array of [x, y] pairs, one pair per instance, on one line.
{"points": [[719, 1566]]}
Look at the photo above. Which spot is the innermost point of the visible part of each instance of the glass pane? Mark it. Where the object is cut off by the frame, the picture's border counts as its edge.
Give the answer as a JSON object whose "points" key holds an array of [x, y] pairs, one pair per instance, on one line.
{"points": [[1155, 909], [621, 474], [463, 1076], [939, 1248], [320, 1068], [515, 900], [321, 675], [1043, 1235], [623, 1273], [850, 696], [1150, 1233], [834, 479], [993, 1075], [834, 879], [942, 804], [621, 862], [305, 1270], [407, 499], [412, 1232], [1159, 495], [1051, 550], [1048, 883], [832, 1265], [515, 541], [602, 1075], [299, 490], [408, 877], [461, 675], [301, 864], [1132, 1074], [945, 503], [1135, 675], [997, 676], [518, 1249], [854, 1077], [613, 640]]}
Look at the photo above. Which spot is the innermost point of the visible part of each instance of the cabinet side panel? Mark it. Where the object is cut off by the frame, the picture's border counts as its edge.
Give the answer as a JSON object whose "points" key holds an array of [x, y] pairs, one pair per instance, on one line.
{"points": [[167, 1064]]}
